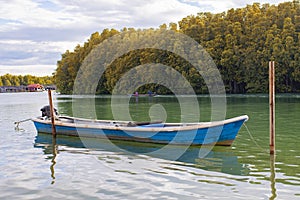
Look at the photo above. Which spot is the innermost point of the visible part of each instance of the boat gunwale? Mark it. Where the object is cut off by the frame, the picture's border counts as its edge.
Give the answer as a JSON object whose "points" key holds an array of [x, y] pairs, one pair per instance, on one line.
{"points": [[170, 127]]}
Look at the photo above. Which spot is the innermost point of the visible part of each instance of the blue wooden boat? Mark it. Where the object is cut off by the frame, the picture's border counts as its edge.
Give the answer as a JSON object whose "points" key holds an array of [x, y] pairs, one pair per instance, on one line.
{"points": [[202, 133]]}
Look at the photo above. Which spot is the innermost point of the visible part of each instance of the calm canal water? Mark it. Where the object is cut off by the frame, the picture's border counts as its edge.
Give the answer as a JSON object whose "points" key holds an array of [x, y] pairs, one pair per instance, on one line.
{"points": [[32, 166]]}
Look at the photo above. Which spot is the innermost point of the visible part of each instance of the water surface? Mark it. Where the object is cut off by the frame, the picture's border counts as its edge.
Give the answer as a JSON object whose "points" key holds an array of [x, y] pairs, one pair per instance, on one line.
{"points": [[33, 166]]}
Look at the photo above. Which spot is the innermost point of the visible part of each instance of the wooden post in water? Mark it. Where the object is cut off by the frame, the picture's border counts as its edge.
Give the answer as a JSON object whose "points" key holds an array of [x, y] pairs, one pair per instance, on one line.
{"points": [[52, 113], [272, 105]]}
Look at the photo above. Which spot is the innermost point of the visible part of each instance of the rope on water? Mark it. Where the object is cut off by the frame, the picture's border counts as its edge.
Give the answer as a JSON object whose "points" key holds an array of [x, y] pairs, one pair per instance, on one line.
{"points": [[24, 120], [252, 138], [18, 123]]}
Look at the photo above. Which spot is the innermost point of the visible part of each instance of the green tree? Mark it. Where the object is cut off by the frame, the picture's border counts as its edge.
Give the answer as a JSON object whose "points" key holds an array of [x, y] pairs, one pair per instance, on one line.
{"points": [[241, 41]]}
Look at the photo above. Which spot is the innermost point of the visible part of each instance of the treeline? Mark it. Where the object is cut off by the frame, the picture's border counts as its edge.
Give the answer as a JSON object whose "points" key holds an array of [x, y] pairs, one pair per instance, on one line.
{"points": [[241, 42], [14, 80]]}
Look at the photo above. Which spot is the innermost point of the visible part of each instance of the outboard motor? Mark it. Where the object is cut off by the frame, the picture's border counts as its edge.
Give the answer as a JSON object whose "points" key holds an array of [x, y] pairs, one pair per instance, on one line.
{"points": [[46, 112]]}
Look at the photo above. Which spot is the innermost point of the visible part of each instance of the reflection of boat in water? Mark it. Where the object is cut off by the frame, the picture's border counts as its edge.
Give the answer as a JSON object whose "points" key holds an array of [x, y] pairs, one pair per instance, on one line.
{"points": [[219, 159]]}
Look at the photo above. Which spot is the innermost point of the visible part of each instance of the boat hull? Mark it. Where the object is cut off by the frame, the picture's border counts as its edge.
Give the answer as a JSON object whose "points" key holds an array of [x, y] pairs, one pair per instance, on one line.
{"points": [[217, 133]]}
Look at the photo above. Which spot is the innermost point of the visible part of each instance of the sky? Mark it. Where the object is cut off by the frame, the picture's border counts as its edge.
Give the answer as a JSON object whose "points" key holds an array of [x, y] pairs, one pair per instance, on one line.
{"points": [[34, 33]]}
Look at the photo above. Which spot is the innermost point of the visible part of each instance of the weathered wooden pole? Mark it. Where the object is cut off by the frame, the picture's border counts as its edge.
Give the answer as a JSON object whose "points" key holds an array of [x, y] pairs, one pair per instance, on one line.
{"points": [[272, 105], [52, 113]]}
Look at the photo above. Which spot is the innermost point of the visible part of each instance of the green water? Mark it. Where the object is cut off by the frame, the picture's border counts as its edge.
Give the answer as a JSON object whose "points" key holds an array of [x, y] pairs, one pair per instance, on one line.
{"points": [[33, 167]]}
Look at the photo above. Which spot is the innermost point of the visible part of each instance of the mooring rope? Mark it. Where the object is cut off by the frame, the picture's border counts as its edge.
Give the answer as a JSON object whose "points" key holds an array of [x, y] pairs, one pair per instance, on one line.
{"points": [[18, 123], [17, 128], [252, 138]]}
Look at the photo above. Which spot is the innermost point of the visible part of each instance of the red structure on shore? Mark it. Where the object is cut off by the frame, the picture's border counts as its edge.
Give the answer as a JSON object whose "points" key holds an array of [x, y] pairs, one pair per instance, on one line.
{"points": [[35, 88], [29, 88]]}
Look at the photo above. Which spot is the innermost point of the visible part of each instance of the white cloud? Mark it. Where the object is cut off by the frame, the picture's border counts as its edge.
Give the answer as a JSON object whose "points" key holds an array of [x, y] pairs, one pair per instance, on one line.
{"points": [[38, 32], [157, 12], [30, 46], [31, 14], [217, 6], [26, 52], [35, 70]]}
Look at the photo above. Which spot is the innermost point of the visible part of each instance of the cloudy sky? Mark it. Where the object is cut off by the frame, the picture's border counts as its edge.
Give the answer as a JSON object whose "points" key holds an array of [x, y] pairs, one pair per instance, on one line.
{"points": [[34, 33]]}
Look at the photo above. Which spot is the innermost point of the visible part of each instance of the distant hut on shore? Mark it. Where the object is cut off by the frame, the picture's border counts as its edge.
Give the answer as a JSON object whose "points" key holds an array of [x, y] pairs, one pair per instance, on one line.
{"points": [[29, 88], [35, 88], [50, 87], [5, 89]]}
